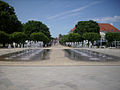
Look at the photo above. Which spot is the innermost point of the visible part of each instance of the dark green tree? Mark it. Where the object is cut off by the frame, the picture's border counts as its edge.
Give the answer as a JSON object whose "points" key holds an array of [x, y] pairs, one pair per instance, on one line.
{"points": [[4, 38], [36, 26], [112, 36], [39, 37], [18, 37], [64, 39], [9, 22], [116, 36], [91, 37], [74, 37], [87, 26]]}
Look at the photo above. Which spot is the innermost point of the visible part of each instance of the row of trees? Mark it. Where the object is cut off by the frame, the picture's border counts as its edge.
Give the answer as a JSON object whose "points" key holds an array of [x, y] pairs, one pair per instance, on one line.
{"points": [[12, 30], [85, 30], [89, 30], [112, 36], [75, 37]]}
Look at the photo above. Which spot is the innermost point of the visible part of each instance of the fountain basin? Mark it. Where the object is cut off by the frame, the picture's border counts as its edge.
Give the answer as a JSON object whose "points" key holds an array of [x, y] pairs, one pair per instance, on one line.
{"points": [[88, 55], [27, 55]]}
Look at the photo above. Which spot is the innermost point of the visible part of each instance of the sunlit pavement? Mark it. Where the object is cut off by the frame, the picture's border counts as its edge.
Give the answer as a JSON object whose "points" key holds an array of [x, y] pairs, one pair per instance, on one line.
{"points": [[59, 73], [60, 78]]}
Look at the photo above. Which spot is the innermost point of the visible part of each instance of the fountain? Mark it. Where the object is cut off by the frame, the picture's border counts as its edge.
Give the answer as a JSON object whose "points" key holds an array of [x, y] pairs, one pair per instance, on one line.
{"points": [[14, 45], [88, 55], [9, 46], [33, 51]]}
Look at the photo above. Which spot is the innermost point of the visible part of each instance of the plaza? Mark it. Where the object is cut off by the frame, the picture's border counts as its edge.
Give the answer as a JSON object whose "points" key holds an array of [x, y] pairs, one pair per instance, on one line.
{"points": [[60, 78], [39, 50]]}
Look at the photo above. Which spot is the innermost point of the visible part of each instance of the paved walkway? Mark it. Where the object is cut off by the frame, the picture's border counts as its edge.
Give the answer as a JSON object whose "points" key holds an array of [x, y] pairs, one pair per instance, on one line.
{"points": [[60, 78], [31, 76]]}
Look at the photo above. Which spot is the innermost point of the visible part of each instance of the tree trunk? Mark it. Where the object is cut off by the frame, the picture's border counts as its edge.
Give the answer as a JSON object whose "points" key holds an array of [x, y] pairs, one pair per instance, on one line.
{"points": [[92, 43], [88, 43], [3, 44]]}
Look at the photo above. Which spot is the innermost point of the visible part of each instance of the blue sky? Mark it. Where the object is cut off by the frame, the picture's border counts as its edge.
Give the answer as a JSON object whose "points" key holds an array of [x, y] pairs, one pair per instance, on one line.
{"points": [[62, 15]]}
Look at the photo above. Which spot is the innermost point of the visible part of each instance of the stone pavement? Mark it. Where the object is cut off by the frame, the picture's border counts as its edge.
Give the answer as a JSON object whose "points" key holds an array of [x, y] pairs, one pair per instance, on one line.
{"points": [[58, 73], [60, 78]]}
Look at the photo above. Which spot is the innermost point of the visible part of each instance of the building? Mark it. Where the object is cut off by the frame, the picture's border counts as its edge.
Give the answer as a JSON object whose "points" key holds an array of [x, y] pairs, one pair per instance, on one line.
{"points": [[104, 28]]}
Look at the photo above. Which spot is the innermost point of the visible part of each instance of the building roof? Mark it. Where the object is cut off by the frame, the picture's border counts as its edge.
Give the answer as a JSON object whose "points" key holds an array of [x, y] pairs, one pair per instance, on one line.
{"points": [[104, 27], [107, 27], [73, 29]]}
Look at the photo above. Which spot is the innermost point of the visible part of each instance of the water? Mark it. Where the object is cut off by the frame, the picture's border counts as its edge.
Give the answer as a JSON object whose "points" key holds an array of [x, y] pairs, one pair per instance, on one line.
{"points": [[27, 55], [87, 55]]}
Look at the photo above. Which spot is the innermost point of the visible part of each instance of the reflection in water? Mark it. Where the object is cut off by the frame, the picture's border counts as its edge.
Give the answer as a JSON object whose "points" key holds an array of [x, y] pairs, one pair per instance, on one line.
{"points": [[87, 55], [29, 54]]}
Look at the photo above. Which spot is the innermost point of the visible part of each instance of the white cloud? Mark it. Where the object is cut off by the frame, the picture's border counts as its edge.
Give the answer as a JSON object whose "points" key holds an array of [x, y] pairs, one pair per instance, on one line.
{"points": [[72, 11], [67, 16], [108, 19]]}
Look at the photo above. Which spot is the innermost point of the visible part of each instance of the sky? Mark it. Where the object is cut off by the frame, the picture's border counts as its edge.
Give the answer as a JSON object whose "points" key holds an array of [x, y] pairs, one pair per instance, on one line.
{"points": [[62, 15]]}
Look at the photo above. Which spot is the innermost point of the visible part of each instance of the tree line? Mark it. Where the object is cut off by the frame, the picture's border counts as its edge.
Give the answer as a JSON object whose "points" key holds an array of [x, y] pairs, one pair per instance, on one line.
{"points": [[85, 30], [12, 30], [89, 30]]}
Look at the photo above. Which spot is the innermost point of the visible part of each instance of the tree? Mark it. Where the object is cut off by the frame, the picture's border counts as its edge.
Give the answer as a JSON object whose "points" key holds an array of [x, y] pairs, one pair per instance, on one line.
{"points": [[112, 36], [9, 22], [116, 36], [36, 26], [18, 37], [4, 38], [87, 26], [39, 37], [64, 39], [91, 37], [74, 37]]}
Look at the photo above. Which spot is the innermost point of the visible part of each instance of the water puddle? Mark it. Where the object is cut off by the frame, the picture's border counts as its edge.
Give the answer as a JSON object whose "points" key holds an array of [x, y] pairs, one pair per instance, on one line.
{"points": [[27, 55], [87, 55]]}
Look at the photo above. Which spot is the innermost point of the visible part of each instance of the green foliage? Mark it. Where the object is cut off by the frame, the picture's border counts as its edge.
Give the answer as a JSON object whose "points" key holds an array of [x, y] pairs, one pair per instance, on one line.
{"points": [[72, 37], [36, 26], [87, 26], [39, 37], [91, 36], [9, 22], [64, 39], [112, 36], [18, 37], [4, 38], [116, 36]]}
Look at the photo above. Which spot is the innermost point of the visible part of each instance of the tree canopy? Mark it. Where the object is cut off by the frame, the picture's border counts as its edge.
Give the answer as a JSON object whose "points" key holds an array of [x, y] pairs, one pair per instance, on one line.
{"points": [[39, 37], [36, 26], [11, 29], [74, 37], [91, 36], [87, 26], [9, 22], [64, 39], [4, 38], [18, 37], [112, 36]]}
